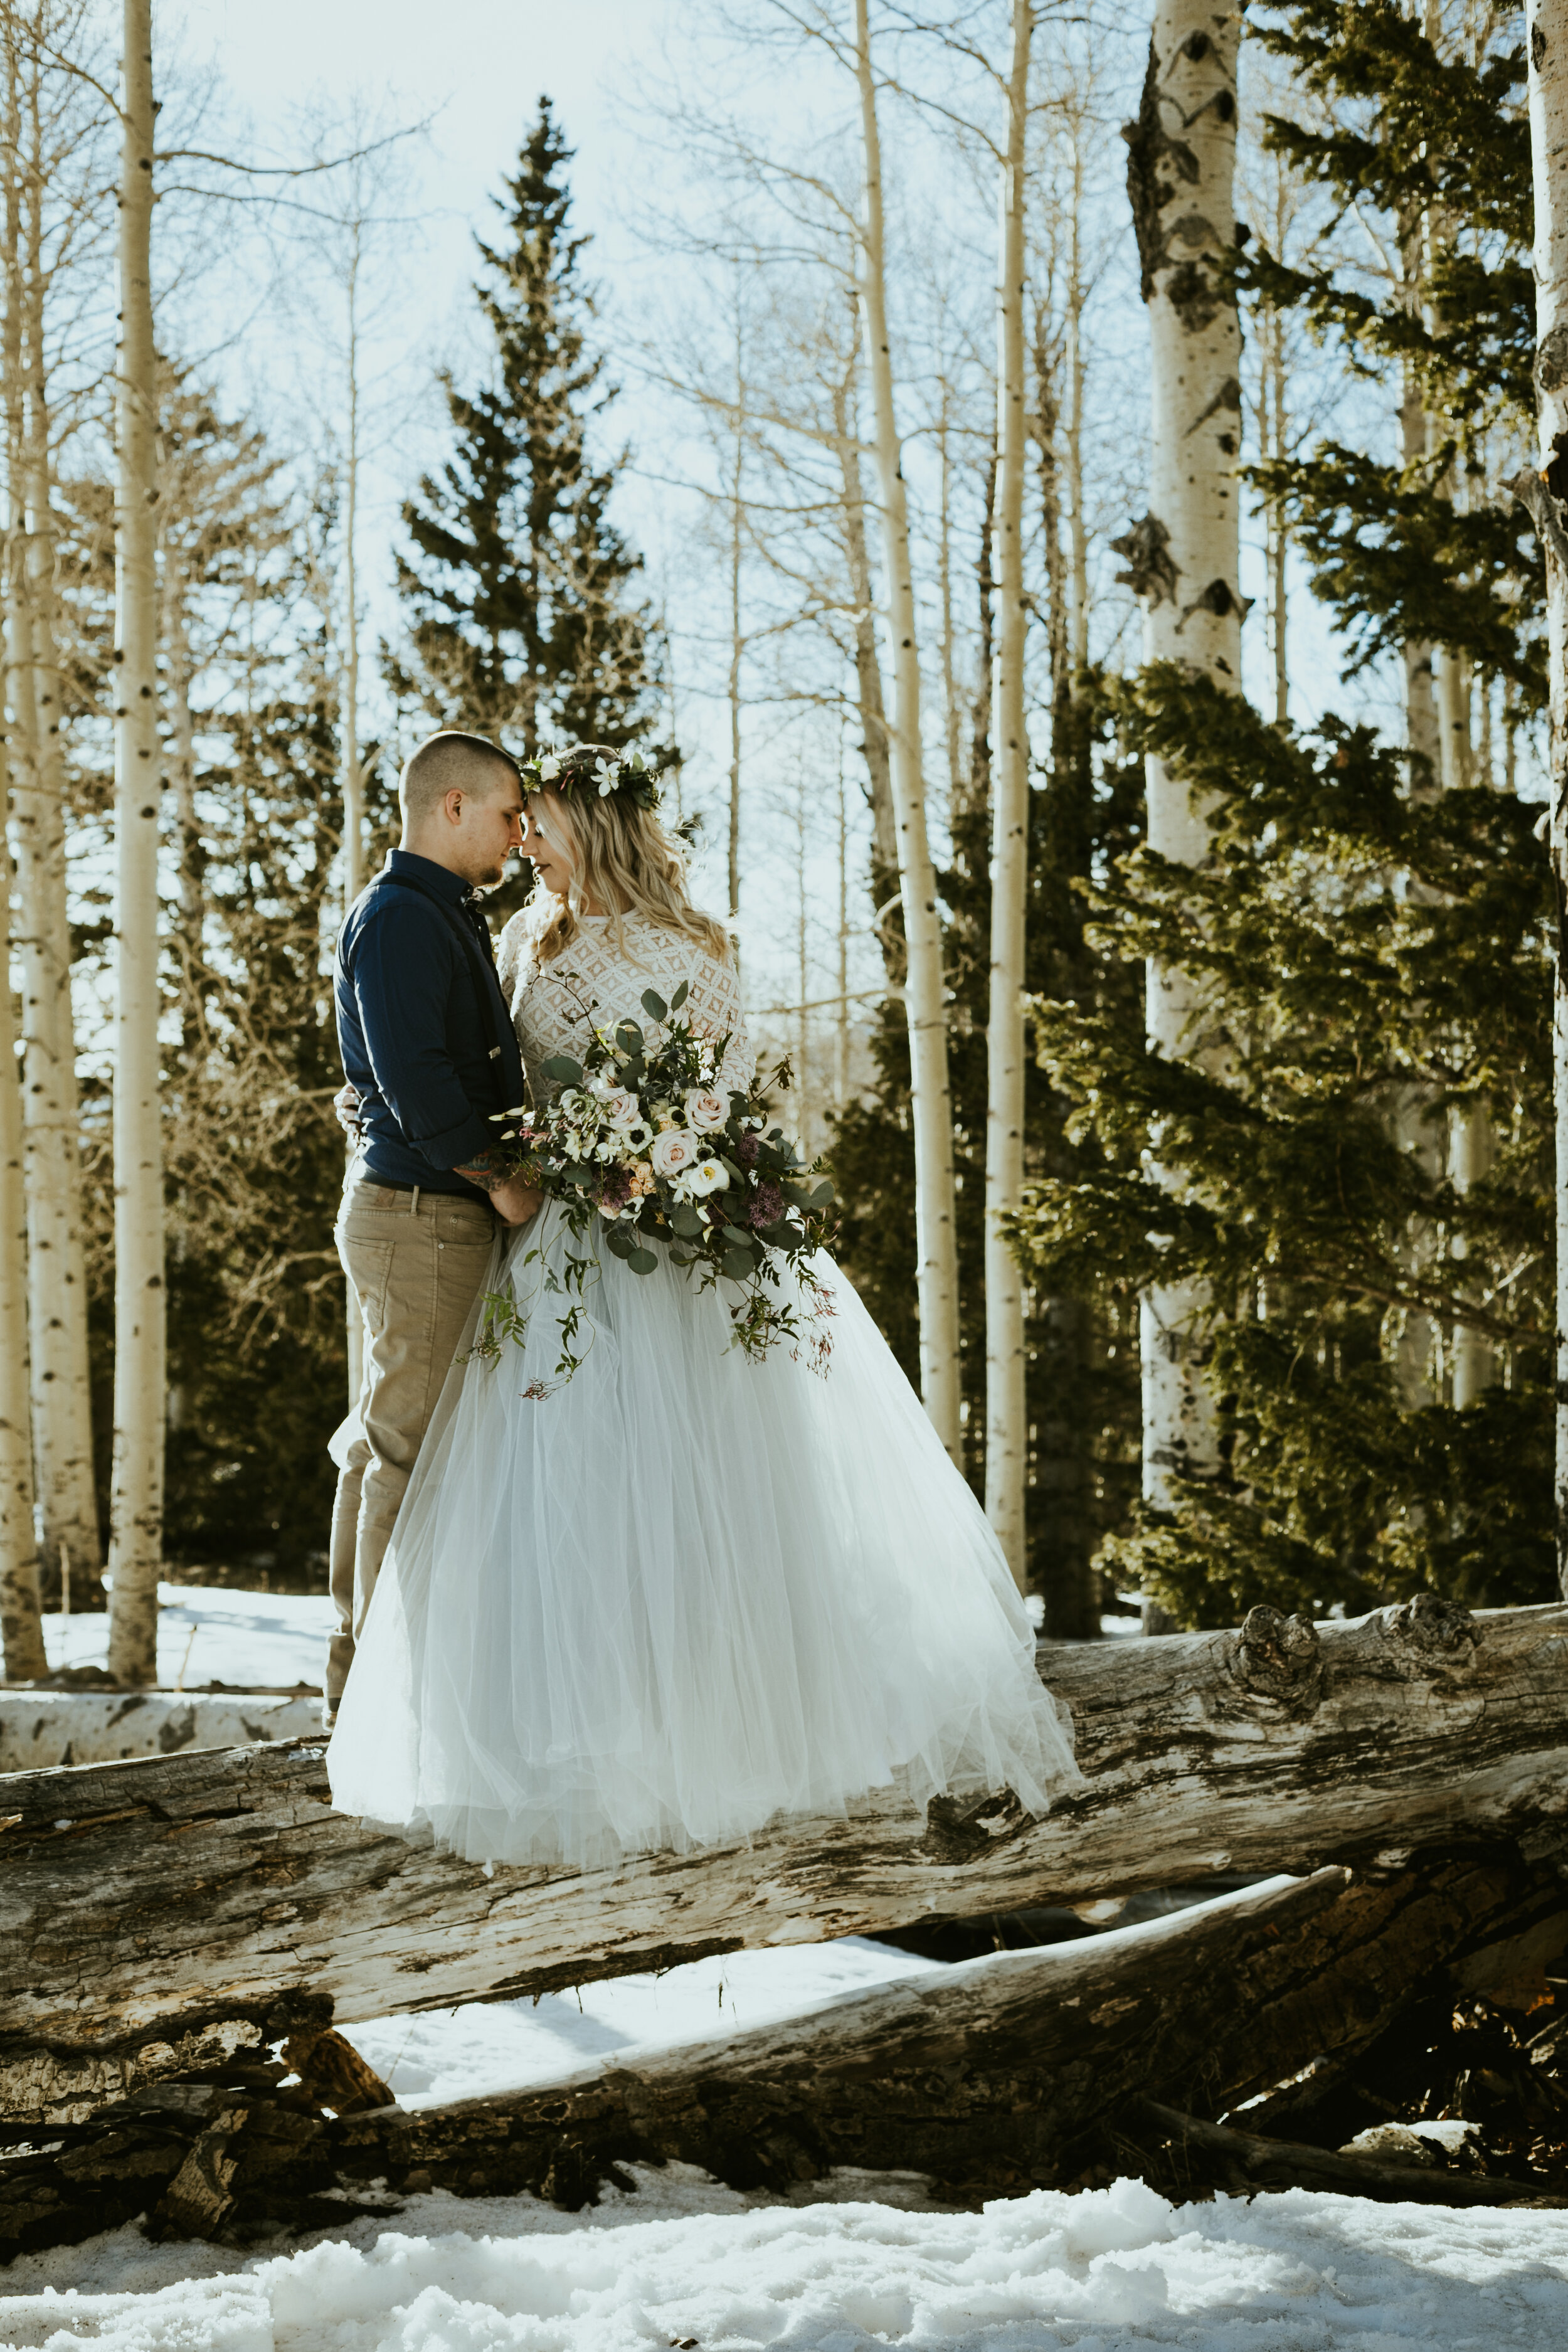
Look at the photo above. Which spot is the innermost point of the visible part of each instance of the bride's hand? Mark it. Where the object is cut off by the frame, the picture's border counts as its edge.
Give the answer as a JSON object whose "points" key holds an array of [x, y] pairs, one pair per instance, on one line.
{"points": [[515, 1203]]}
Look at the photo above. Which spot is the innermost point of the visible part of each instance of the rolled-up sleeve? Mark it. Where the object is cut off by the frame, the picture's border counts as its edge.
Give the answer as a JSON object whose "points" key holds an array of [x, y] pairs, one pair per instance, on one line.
{"points": [[401, 1018]]}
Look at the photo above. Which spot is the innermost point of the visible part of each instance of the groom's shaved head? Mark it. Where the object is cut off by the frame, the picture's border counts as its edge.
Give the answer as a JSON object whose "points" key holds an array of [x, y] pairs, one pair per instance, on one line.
{"points": [[448, 762]]}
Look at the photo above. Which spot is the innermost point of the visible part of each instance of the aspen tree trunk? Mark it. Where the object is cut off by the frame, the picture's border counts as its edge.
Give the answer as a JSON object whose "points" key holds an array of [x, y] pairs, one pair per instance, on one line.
{"points": [[737, 644], [1072, 437], [56, 1296], [21, 1629], [136, 1537], [1275, 437], [1547, 24], [867, 663], [1185, 557], [353, 776], [1007, 1415], [951, 713], [924, 996]]}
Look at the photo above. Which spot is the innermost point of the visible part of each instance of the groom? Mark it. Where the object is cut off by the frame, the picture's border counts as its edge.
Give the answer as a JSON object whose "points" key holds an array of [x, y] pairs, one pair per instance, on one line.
{"points": [[428, 1047]]}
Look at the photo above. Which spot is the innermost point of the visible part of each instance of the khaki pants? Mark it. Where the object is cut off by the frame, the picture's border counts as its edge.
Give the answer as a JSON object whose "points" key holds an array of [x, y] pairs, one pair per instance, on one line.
{"points": [[414, 1262]]}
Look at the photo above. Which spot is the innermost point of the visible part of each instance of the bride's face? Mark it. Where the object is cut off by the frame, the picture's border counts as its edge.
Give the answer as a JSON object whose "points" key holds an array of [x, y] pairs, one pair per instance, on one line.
{"points": [[553, 864]]}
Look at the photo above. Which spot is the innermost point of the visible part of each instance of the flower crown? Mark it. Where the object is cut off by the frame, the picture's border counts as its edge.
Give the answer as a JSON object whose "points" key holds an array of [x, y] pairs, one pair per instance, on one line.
{"points": [[594, 770]]}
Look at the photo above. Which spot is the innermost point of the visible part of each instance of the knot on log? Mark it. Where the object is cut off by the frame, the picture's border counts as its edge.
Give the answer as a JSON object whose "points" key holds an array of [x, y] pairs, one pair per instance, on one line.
{"points": [[1432, 1629], [1279, 1658], [963, 1829]]}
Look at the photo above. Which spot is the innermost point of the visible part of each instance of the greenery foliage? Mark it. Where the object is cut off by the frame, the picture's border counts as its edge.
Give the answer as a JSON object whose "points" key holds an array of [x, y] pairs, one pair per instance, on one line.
{"points": [[517, 584], [1374, 958]]}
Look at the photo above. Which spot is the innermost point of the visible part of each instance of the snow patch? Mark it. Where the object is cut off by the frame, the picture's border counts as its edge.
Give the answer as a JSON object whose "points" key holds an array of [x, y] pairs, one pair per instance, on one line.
{"points": [[683, 2258]]}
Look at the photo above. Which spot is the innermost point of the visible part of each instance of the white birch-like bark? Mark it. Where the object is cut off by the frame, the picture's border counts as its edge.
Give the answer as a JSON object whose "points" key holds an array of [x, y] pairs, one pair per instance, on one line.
{"points": [[353, 776], [1186, 561], [137, 1505], [1072, 435], [930, 1110], [1006, 1419], [21, 1629], [1547, 26], [868, 662], [57, 1295], [737, 642]]}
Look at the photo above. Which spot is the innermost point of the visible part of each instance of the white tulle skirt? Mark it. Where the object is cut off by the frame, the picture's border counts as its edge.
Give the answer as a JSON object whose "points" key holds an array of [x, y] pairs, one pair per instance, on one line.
{"points": [[683, 1593]]}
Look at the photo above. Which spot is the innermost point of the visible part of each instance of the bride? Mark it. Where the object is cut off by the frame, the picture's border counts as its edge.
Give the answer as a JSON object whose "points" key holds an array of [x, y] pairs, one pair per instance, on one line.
{"points": [[682, 1593]]}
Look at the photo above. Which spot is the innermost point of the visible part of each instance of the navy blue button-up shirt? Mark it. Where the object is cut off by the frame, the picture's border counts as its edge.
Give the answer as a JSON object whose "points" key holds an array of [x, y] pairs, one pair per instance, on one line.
{"points": [[420, 1013]]}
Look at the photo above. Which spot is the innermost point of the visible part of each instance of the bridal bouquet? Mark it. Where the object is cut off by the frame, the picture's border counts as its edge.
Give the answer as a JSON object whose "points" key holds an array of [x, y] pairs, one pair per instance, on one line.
{"points": [[645, 1139]]}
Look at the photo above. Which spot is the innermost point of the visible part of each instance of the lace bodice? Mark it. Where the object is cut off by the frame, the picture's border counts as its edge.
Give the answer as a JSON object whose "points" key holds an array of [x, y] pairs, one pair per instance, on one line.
{"points": [[552, 1004]]}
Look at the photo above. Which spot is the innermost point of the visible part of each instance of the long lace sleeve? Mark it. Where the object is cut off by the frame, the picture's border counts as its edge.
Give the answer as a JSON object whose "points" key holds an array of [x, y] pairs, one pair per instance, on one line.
{"points": [[716, 1010], [514, 954]]}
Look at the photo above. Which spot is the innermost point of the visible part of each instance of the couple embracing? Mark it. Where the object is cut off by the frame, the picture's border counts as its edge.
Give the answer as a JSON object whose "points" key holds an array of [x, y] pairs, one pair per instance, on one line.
{"points": [[683, 1592]]}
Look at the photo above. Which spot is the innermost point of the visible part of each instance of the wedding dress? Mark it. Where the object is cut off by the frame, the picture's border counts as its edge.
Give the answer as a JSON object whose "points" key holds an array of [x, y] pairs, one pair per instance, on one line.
{"points": [[683, 1593]]}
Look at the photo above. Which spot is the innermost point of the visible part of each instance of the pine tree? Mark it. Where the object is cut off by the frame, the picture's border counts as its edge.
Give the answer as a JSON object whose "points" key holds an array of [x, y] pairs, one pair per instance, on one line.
{"points": [[517, 584], [1362, 943]]}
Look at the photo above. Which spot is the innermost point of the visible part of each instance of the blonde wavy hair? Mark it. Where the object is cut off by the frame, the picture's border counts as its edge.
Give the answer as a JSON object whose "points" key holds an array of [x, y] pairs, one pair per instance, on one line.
{"points": [[623, 860]]}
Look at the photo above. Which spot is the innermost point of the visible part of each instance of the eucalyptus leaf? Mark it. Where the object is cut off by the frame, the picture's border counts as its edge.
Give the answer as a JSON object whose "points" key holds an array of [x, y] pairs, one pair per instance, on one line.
{"points": [[739, 1265], [642, 1261], [654, 1005], [561, 1069], [823, 1194], [618, 1243], [679, 999], [736, 1233], [685, 1220]]}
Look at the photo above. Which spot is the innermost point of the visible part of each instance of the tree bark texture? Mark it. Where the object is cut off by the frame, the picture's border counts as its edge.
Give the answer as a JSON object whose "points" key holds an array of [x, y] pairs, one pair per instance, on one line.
{"points": [[1547, 26], [1006, 1414], [1006, 2072], [925, 999], [57, 1271], [1184, 558], [873, 708], [146, 1906], [137, 1501], [21, 1629]]}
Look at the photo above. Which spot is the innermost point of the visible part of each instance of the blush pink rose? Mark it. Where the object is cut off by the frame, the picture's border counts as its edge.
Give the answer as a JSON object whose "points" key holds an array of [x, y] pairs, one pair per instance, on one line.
{"points": [[707, 1112], [674, 1151]]}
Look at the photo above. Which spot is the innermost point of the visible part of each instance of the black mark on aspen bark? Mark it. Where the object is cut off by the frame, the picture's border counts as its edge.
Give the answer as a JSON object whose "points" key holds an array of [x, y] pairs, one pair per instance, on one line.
{"points": [[1150, 569], [1551, 360]]}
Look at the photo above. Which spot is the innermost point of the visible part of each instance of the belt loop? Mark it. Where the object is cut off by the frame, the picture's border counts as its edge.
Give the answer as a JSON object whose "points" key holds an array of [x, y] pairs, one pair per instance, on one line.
{"points": [[414, 1204]]}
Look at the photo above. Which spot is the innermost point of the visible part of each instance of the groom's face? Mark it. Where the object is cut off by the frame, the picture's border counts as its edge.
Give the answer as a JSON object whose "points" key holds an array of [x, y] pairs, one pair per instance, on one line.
{"points": [[486, 828]]}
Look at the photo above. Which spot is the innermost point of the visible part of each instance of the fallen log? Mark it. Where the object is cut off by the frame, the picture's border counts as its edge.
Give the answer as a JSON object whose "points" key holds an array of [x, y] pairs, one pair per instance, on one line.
{"points": [[990, 2075], [159, 1916], [40, 1727], [1195, 2155]]}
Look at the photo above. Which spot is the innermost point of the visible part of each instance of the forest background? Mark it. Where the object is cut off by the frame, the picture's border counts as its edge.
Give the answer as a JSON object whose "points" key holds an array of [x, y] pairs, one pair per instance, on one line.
{"points": [[366, 417]]}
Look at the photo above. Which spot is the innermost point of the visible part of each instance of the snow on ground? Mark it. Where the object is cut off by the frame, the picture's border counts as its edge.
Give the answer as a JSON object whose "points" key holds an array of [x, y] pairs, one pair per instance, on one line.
{"points": [[215, 1633], [250, 1640], [685, 2262], [467, 2052]]}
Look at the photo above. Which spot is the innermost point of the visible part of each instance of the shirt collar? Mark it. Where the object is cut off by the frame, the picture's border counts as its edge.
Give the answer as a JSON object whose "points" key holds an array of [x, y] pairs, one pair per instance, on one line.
{"points": [[435, 877]]}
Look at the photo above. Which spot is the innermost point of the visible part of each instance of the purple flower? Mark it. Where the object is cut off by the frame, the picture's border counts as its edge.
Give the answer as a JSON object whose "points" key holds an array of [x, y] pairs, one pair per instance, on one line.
{"points": [[767, 1206], [615, 1188], [746, 1150]]}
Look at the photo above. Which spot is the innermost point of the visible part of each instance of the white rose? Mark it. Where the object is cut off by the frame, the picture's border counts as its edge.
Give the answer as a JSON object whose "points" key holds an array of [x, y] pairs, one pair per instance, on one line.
{"points": [[708, 1176], [674, 1151], [620, 1107], [549, 768], [706, 1110]]}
